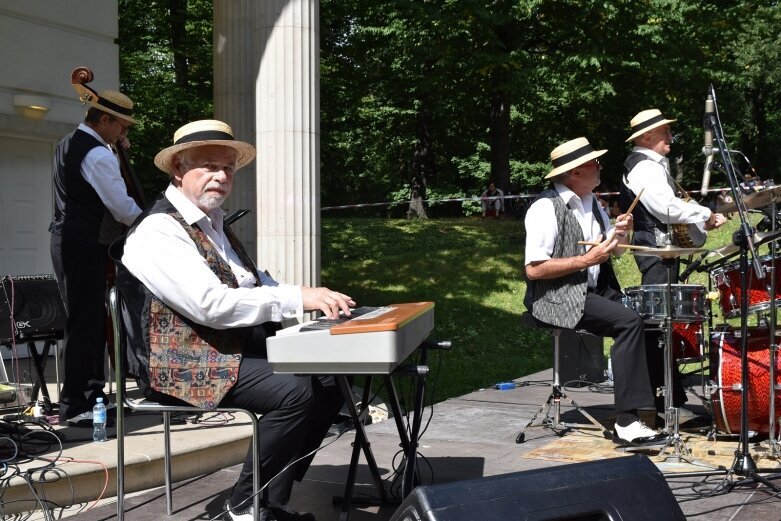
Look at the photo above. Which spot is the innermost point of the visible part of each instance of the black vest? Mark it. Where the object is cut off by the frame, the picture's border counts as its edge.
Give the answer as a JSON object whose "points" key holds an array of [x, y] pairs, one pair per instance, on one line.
{"points": [[645, 223], [78, 210]]}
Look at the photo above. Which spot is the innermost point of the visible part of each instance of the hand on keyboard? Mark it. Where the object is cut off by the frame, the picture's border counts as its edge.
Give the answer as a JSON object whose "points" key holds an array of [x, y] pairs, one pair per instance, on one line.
{"points": [[328, 301]]}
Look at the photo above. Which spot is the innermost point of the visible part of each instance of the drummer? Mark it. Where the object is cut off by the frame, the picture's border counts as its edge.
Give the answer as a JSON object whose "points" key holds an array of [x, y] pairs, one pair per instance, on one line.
{"points": [[647, 168], [573, 286]]}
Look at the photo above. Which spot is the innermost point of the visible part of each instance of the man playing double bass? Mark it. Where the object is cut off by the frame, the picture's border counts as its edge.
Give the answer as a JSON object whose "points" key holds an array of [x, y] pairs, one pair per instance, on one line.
{"points": [[90, 196], [647, 169]]}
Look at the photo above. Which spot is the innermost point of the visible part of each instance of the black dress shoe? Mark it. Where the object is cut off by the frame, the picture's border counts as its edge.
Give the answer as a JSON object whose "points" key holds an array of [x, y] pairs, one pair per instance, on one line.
{"points": [[287, 514]]}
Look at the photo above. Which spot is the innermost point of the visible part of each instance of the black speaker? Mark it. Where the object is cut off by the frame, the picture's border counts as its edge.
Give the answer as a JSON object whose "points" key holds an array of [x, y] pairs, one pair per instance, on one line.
{"points": [[617, 489], [581, 357], [38, 310]]}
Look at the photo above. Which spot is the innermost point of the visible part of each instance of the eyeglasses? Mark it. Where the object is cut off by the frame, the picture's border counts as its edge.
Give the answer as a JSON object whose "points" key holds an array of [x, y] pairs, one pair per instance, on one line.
{"points": [[122, 123], [594, 162]]}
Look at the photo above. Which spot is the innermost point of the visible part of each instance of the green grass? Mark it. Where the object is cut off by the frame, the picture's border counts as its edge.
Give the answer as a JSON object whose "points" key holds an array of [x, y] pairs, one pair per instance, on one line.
{"points": [[472, 269]]}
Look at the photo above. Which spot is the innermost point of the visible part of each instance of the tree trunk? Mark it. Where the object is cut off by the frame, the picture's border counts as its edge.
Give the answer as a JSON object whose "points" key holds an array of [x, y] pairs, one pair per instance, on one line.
{"points": [[499, 135], [178, 34], [423, 165]]}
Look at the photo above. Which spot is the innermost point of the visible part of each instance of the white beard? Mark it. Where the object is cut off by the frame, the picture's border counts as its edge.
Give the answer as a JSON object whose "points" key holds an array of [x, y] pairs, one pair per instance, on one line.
{"points": [[210, 201]]}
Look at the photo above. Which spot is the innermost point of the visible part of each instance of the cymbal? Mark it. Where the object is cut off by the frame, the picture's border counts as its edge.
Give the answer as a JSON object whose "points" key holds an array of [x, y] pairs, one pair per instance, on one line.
{"points": [[758, 199], [760, 238], [724, 251], [668, 252]]}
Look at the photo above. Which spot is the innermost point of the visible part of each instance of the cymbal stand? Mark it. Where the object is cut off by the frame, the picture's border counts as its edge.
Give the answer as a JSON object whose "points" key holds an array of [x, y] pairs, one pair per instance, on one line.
{"points": [[671, 418]]}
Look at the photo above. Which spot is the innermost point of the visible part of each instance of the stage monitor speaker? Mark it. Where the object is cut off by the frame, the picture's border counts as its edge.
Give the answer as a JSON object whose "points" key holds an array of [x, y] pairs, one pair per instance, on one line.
{"points": [[581, 357], [38, 311], [615, 489]]}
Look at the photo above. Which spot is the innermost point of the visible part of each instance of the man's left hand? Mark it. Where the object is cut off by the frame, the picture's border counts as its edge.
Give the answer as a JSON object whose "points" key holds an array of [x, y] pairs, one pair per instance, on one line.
{"points": [[328, 301]]}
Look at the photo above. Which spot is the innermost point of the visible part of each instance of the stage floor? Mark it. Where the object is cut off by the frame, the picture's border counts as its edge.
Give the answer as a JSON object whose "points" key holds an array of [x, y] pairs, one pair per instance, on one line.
{"points": [[474, 436]]}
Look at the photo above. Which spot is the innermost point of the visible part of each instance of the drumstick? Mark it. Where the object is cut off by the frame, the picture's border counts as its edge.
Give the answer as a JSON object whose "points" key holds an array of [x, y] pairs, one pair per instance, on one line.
{"points": [[637, 200], [628, 246], [629, 211]]}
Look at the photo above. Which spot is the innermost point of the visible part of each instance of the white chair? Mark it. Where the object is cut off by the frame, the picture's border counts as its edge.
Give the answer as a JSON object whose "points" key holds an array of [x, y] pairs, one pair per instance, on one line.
{"points": [[115, 306]]}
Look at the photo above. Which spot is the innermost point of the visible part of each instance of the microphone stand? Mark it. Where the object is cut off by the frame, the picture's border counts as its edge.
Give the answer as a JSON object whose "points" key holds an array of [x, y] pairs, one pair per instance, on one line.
{"points": [[775, 449], [744, 239]]}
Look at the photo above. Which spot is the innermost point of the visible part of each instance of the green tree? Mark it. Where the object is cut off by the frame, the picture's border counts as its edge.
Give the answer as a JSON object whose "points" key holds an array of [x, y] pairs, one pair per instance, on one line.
{"points": [[165, 51]]}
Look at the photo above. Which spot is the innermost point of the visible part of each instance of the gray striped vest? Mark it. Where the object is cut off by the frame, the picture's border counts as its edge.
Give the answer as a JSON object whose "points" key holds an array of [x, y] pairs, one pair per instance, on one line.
{"points": [[560, 301]]}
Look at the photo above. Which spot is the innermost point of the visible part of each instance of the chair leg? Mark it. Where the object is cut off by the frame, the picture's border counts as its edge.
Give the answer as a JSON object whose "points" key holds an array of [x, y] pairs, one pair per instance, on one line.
{"points": [[169, 508]]}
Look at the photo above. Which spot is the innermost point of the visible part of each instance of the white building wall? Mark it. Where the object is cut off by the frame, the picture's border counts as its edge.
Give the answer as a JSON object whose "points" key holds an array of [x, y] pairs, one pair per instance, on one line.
{"points": [[42, 42]]}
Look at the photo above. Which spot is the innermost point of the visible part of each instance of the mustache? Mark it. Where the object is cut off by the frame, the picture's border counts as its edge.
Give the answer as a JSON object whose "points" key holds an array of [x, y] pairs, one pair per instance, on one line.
{"points": [[215, 186]]}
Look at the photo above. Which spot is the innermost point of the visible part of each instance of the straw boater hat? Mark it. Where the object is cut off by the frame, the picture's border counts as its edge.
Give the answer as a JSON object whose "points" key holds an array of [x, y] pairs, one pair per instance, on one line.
{"points": [[109, 101], [573, 153], [645, 121], [204, 132]]}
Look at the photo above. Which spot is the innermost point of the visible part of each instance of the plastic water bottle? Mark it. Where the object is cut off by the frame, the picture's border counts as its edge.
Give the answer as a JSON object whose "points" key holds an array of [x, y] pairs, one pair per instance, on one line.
{"points": [[99, 421]]}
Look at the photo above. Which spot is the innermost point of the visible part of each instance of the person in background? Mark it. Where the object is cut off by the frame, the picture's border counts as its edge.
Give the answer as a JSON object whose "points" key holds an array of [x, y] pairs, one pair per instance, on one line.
{"points": [[200, 313], [492, 201], [90, 197], [573, 286]]}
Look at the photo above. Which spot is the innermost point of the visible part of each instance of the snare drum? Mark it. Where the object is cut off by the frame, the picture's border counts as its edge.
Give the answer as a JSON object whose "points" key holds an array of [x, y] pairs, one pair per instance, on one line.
{"points": [[727, 281], [725, 393], [650, 302]]}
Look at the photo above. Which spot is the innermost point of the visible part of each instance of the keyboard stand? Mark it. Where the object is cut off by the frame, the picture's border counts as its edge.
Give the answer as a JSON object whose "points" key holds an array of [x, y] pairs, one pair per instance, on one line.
{"points": [[409, 443]]}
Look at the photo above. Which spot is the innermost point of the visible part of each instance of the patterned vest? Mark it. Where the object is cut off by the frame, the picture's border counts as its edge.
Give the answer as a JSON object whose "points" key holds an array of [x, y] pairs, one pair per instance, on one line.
{"points": [[561, 301], [171, 355]]}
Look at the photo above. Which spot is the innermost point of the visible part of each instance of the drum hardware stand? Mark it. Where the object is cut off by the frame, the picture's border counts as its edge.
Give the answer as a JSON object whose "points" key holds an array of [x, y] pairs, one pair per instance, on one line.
{"points": [[671, 423], [744, 464], [773, 441]]}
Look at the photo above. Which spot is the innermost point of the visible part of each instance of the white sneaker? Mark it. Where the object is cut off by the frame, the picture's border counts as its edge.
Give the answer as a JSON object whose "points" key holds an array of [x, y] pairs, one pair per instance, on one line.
{"points": [[638, 433]]}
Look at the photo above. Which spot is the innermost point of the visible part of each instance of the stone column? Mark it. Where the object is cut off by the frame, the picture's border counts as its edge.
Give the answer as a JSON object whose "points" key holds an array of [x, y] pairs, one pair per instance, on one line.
{"points": [[287, 95], [235, 69]]}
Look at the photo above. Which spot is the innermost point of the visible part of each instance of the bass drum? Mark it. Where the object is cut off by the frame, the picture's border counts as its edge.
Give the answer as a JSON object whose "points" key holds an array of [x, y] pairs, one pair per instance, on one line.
{"points": [[725, 383]]}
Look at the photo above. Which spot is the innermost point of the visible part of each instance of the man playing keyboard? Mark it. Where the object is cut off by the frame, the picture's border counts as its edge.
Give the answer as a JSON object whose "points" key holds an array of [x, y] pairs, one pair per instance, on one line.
{"points": [[203, 311]]}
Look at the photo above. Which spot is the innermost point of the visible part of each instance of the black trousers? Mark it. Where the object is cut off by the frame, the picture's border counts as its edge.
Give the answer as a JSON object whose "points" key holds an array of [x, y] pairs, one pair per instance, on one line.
{"points": [[605, 315], [297, 413], [80, 268], [653, 271]]}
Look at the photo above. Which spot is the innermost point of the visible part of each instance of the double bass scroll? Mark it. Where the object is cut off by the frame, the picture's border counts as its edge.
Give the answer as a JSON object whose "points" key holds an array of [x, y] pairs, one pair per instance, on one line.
{"points": [[80, 79]]}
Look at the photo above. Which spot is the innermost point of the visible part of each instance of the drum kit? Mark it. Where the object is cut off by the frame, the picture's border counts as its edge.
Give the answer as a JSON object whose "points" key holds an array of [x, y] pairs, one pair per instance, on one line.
{"points": [[682, 312]]}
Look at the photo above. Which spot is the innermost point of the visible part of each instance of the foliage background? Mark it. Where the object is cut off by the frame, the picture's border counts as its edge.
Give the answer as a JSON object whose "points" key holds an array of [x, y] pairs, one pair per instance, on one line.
{"points": [[456, 92]]}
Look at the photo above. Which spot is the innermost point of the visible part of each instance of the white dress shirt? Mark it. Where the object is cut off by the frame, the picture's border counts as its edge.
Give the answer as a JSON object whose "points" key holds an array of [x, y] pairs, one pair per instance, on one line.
{"points": [[542, 229], [659, 196], [160, 254], [100, 169]]}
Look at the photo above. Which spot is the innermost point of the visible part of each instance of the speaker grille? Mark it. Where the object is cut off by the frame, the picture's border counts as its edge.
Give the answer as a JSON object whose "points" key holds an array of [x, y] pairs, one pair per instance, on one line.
{"points": [[38, 309]]}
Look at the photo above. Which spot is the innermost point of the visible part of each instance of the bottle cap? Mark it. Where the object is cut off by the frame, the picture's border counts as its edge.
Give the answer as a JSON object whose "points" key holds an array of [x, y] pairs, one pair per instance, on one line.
{"points": [[99, 400]]}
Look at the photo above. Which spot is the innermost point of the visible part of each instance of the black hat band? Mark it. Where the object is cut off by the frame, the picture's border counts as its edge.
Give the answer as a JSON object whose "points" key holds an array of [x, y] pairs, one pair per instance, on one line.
{"points": [[645, 124], [113, 106], [571, 156], [205, 135]]}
